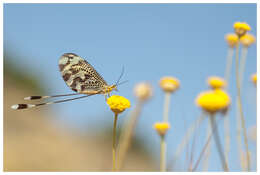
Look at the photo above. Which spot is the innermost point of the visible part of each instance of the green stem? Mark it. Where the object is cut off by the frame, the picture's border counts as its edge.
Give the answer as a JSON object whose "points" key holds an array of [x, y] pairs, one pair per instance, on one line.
{"points": [[166, 106], [217, 141], [114, 143], [163, 154], [242, 118]]}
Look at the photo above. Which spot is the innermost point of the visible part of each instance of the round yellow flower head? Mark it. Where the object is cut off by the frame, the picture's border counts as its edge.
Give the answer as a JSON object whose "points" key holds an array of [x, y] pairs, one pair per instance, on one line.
{"points": [[241, 28], [247, 40], [254, 78], [118, 103], [143, 91], [169, 84], [161, 127], [232, 40], [213, 101], [216, 82]]}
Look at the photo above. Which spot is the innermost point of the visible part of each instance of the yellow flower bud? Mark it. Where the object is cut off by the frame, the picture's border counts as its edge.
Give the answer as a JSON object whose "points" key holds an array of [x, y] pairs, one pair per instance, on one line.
{"points": [[169, 84], [161, 128], [247, 40], [216, 82], [241, 28], [232, 40], [118, 103], [143, 91]]}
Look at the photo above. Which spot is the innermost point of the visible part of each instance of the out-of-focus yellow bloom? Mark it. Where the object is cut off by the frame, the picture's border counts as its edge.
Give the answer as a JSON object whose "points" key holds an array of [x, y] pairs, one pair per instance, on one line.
{"points": [[232, 40], [241, 28], [247, 40], [143, 91], [254, 78], [161, 127], [213, 101], [216, 82], [118, 103], [169, 84]]}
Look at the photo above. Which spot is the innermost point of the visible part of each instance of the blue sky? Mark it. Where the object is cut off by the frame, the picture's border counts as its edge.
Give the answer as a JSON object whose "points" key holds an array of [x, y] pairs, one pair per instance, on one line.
{"points": [[150, 40]]}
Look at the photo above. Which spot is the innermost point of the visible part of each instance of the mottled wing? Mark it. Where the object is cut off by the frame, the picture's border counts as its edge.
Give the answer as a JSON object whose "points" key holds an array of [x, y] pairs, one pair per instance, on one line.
{"points": [[79, 75]]}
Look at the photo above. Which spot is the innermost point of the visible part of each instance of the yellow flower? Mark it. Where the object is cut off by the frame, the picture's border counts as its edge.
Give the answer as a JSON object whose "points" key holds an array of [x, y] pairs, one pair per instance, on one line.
{"points": [[254, 78], [143, 91], [169, 84], [118, 103], [241, 28], [213, 101], [232, 40], [216, 82], [161, 127], [247, 40]]}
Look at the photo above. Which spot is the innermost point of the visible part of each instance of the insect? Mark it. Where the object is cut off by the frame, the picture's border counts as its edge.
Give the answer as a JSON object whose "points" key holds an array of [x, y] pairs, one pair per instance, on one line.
{"points": [[80, 76]]}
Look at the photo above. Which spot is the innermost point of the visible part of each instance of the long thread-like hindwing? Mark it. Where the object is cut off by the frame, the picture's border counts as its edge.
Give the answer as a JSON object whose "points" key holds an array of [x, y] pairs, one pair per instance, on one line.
{"points": [[36, 97], [79, 75], [22, 106], [27, 106]]}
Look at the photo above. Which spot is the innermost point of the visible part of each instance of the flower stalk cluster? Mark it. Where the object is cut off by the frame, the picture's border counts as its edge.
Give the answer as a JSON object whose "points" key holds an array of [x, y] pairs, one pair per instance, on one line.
{"points": [[212, 102], [246, 40]]}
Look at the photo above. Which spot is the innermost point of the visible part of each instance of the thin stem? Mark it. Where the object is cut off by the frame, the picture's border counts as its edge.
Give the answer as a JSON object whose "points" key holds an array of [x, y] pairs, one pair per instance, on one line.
{"points": [[227, 136], [208, 149], [242, 118], [228, 64], [239, 135], [202, 152], [114, 143], [163, 154], [166, 106], [127, 134], [217, 141], [192, 150], [187, 136], [242, 64], [226, 117], [163, 143]]}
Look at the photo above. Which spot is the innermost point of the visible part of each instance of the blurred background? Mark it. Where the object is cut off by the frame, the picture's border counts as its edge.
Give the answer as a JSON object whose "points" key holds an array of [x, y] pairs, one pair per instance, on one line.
{"points": [[151, 41]]}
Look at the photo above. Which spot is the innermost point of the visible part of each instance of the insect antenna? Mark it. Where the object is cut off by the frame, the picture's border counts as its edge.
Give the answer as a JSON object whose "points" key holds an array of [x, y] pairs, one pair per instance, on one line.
{"points": [[123, 82], [122, 73], [35, 97], [26, 106]]}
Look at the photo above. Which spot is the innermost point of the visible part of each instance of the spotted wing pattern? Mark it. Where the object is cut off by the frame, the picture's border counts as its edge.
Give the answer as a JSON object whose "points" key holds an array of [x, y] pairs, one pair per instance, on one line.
{"points": [[79, 75]]}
